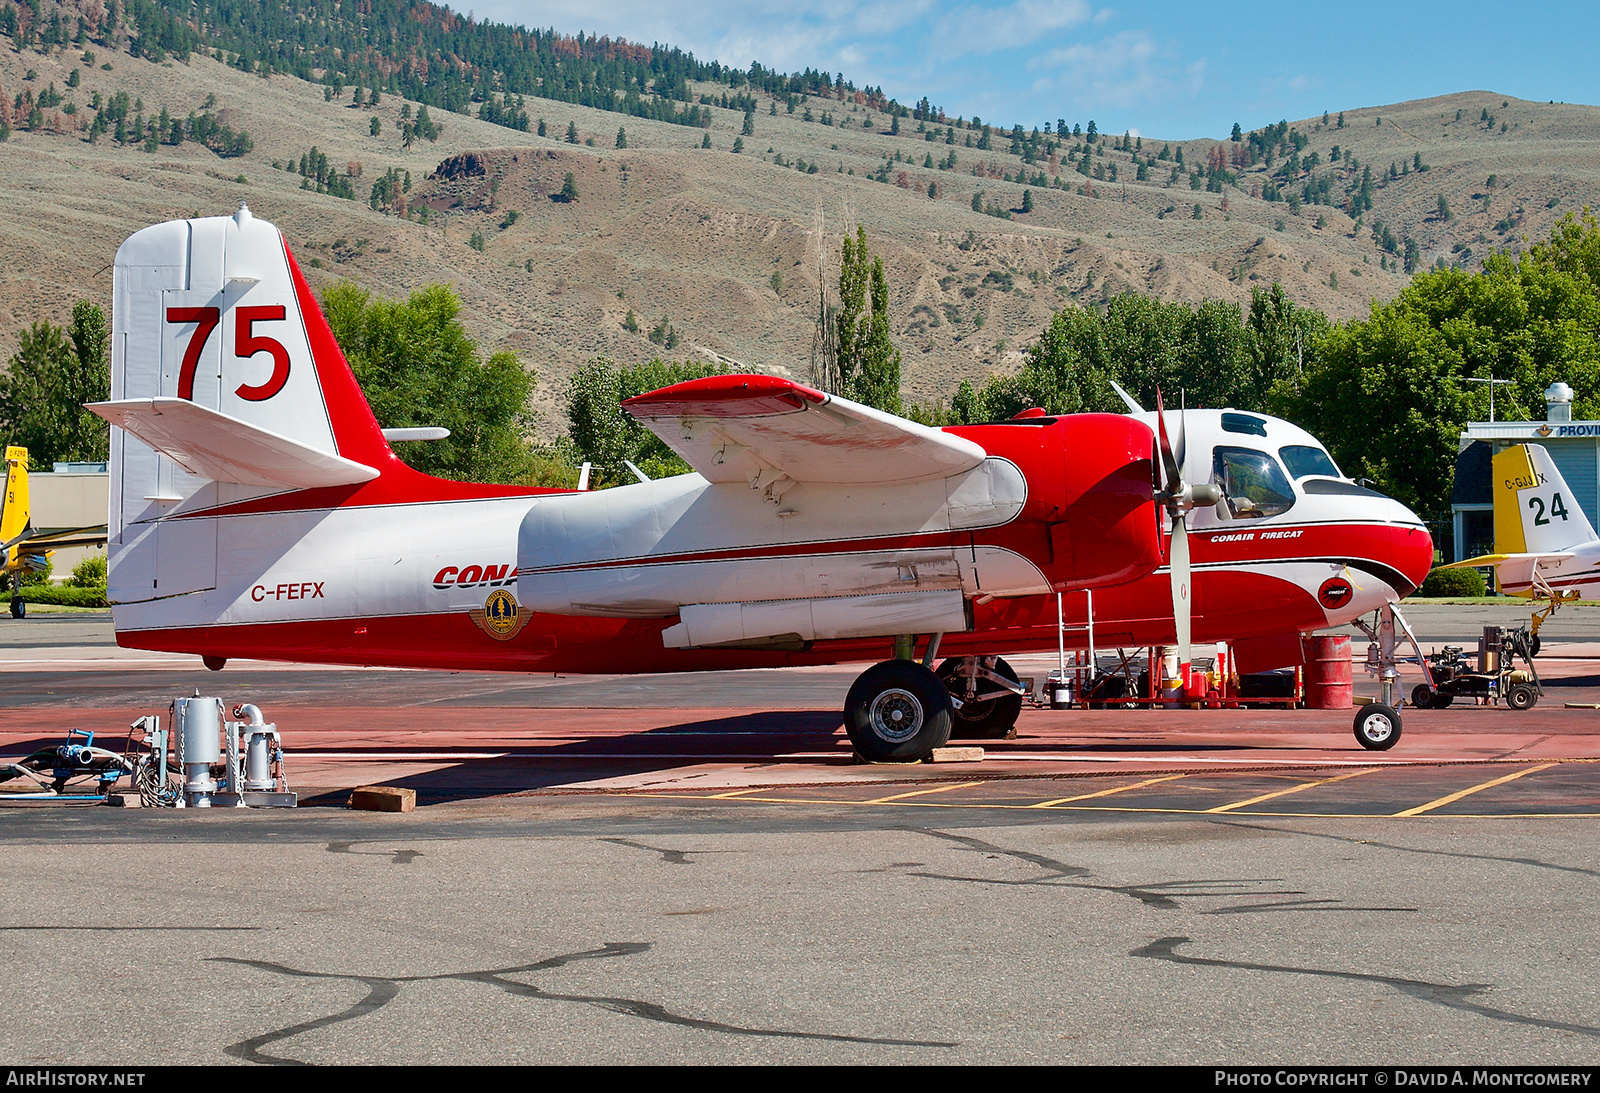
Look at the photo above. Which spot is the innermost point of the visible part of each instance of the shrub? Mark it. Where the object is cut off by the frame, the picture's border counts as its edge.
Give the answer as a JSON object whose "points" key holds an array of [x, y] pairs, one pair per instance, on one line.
{"points": [[1443, 583], [61, 595], [89, 572]]}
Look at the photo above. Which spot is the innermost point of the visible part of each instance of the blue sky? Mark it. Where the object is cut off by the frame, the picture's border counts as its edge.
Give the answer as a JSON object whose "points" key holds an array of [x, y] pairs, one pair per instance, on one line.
{"points": [[1166, 69]]}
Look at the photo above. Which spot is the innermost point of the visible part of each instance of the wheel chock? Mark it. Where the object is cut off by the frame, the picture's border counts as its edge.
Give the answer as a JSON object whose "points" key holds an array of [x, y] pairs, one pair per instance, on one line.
{"points": [[383, 799], [957, 754]]}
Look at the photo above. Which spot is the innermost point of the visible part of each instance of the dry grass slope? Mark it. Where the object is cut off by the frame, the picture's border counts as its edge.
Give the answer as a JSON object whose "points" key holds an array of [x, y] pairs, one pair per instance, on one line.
{"points": [[695, 236]]}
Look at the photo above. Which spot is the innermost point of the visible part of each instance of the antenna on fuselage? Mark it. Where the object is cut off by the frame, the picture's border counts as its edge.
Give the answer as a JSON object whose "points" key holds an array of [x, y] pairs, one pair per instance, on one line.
{"points": [[1127, 399]]}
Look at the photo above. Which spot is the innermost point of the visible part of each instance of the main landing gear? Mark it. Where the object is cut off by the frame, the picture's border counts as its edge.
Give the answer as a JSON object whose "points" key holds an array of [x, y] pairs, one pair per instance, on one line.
{"points": [[900, 710], [989, 693]]}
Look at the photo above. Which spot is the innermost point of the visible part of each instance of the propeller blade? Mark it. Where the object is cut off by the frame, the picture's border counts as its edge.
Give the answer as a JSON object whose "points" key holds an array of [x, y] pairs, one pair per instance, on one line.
{"points": [[1178, 559], [1168, 460], [1181, 445]]}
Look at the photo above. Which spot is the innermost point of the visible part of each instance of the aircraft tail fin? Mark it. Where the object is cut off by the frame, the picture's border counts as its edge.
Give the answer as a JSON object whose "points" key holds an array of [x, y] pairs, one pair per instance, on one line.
{"points": [[1535, 511], [14, 502], [227, 384]]}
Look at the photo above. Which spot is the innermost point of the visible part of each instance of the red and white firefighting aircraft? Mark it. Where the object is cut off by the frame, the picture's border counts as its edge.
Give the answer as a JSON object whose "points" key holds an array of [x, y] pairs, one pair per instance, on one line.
{"points": [[258, 510]]}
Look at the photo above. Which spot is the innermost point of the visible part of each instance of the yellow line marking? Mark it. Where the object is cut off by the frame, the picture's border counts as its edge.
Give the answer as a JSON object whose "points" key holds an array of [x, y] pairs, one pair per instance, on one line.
{"points": [[1128, 809], [1106, 792], [725, 796], [1292, 789], [919, 793], [1453, 797]]}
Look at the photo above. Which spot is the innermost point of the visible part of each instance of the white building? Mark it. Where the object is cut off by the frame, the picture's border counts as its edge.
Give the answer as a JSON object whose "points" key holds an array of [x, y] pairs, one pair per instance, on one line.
{"points": [[71, 496]]}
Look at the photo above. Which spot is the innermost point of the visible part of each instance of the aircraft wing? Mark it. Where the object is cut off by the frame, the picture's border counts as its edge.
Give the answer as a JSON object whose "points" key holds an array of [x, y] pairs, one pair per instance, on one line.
{"points": [[762, 429], [224, 448]]}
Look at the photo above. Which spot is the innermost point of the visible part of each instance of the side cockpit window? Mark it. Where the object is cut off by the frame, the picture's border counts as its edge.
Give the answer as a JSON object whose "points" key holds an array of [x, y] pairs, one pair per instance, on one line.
{"points": [[1304, 460], [1253, 485]]}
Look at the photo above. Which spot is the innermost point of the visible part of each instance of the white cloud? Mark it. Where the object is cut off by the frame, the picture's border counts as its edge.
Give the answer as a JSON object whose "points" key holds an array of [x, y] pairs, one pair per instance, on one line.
{"points": [[1122, 70], [978, 29]]}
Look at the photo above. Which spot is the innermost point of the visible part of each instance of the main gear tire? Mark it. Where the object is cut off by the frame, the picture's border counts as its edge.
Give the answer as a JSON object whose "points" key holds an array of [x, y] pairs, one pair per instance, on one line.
{"points": [[897, 711]]}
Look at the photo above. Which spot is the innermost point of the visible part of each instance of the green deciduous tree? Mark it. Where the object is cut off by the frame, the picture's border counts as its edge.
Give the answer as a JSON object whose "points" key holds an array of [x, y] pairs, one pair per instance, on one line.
{"points": [[1204, 355], [1389, 393], [603, 433], [52, 374], [417, 366], [868, 368]]}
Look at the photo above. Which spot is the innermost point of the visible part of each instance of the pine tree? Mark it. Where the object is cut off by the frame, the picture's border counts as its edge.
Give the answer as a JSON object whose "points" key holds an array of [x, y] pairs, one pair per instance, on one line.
{"points": [[572, 132], [622, 137]]}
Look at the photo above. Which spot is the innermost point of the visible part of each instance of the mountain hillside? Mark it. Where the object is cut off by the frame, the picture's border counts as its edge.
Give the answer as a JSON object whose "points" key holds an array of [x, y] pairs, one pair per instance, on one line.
{"points": [[724, 247]]}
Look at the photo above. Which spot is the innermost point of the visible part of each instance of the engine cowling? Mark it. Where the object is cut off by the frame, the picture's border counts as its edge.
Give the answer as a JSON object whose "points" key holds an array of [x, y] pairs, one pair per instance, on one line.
{"points": [[1091, 484]]}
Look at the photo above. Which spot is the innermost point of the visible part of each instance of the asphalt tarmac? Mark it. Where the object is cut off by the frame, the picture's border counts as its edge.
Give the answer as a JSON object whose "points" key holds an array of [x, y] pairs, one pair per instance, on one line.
{"points": [[690, 869]]}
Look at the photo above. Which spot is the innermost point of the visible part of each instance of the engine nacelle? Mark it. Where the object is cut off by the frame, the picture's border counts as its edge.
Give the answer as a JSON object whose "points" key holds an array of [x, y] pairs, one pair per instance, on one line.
{"points": [[1091, 483]]}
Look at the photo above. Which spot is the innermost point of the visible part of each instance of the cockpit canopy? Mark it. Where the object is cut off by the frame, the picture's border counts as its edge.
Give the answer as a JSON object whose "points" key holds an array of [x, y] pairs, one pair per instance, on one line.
{"points": [[1303, 460], [1253, 485]]}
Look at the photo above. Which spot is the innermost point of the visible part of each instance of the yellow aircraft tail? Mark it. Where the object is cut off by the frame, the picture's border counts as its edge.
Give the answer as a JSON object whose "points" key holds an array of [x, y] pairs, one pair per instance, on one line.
{"points": [[14, 504], [1536, 517]]}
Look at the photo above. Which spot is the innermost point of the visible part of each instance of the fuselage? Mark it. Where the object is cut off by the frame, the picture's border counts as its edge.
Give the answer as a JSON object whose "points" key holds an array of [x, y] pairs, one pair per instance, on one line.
{"points": [[442, 575]]}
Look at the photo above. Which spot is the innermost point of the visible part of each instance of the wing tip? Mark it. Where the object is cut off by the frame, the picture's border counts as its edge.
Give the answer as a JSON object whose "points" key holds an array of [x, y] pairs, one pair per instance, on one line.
{"points": [[734, 395]]}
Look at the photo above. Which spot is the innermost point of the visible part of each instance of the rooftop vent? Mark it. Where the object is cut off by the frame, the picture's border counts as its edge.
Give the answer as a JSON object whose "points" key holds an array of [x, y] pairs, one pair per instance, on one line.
{"points": [[1558, 402]]}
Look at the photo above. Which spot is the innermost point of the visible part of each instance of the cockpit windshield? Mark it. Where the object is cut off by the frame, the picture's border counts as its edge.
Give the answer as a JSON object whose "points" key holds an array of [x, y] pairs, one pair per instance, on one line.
{"points": [[1303, 460], [1253, 486]]}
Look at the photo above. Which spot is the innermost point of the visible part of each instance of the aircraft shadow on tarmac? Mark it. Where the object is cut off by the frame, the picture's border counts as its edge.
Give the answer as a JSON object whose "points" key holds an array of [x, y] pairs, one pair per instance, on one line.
{"points": [[776, 738], [770, 738]]}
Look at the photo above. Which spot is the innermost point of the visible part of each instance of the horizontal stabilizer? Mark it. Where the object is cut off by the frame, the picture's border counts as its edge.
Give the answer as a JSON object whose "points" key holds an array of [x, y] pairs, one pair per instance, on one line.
{"points": [[215, 445], [1497, 559], [58, 540]]}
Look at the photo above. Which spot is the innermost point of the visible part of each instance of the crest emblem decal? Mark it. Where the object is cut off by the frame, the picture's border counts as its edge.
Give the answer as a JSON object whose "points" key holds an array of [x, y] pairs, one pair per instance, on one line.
{"points": [[501, 617]]}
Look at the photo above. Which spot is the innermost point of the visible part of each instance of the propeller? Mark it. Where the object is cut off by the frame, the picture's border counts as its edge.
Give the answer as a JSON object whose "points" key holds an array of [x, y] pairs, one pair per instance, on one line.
{"points": [[1180, 498]]}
